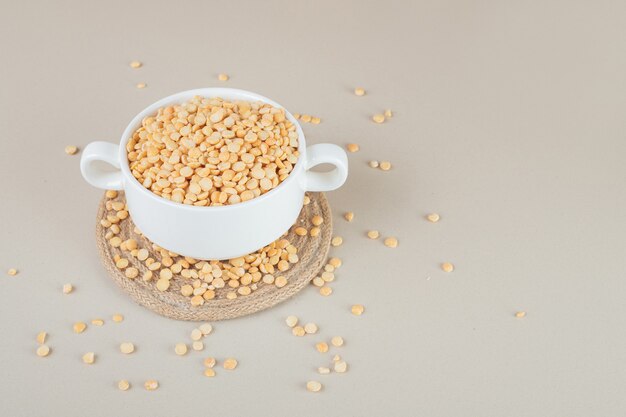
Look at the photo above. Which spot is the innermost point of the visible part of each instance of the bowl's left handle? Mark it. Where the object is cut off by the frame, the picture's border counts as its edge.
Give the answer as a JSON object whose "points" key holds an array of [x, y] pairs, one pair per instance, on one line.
{"points": [[98, 177]]}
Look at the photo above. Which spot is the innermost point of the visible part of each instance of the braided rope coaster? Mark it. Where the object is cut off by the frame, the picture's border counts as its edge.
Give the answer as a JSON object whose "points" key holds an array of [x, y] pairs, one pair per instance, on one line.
{"points": [[312, 254]]}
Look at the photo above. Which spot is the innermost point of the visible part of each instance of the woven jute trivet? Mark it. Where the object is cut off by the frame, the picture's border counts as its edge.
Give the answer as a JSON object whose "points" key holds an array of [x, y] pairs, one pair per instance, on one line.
{"points": [[312, 253]]}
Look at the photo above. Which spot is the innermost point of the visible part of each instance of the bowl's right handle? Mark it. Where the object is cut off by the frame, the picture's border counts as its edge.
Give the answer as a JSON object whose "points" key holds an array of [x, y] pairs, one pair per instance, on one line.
{"points": [[105, 152], [325, 153]]}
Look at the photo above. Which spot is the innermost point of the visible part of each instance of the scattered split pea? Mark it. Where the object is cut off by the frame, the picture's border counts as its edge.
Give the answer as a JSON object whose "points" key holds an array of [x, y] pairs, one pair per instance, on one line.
{"points": [[385, 165], [391, 242], [349, 216], [291, 321], [313, 386], [310, 328], [127, 347], [71, 150], [337, 341], [322, 370], [41, 337], [353, 147], [447, 267], [223, 77], [118, 318], [322, 347], [43, 351], [373, 164], [340, 366], [336, 241], [298, 331], [68, 288], [97, 322], [210, 372], [89, 358], [317, 220], [151, 385], [230, 364], [12, 272], [123, 385], [357, 309], [373, 234], [141, 85], [79, 327], [520, 314], [326, 291], [209, 362], [359, 91], [180, 349], [378, 118], [433, 217]]}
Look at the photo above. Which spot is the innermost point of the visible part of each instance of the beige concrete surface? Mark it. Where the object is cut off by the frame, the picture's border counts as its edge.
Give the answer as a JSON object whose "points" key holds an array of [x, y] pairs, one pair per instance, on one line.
{"points": [[509, 122]]}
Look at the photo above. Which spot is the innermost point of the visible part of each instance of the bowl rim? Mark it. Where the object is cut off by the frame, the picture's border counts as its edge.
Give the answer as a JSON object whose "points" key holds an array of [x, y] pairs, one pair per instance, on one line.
{"points": [[209, 92]]}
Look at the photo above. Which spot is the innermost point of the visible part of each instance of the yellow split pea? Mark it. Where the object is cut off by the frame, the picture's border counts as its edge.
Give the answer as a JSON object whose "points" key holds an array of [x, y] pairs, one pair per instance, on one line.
{"points": [[447, 267], [357, 309], [391, 242], [230, 364], [43, 351]]}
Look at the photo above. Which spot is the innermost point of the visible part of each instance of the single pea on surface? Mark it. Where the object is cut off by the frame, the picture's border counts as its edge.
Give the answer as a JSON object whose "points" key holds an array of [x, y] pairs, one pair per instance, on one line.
{"points": [[326, 290], [388, 114], [357, 309], [323, 370], [340, 366], [123, 385], [12, 272], [135, 64], [71, 150], [298, 331], [447, 267], [313, 386], [141, 85], [127, 347], [43, 351], [223, 77], [291, 321], [118, 318], [373, 234], [310, 328], [68, 288], [89, 358], [349, 216], [41, 337], [385, 165], [378, 118], [353, 147], [391, 242], [79, 327], [359, 91], [432, 217], [209, 362], [180, 349], [337, 341], [230, 364], [520, 314], [210, 372], [373, 164], [321, 347], [151, 384], [336, 241]]}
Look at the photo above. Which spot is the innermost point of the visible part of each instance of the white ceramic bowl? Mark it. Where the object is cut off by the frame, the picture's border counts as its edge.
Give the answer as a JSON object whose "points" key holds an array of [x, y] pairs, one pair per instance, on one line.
{"points": [[220, 232]]}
